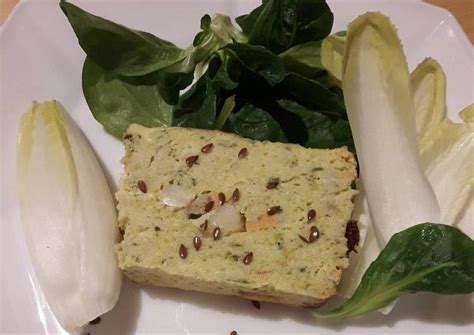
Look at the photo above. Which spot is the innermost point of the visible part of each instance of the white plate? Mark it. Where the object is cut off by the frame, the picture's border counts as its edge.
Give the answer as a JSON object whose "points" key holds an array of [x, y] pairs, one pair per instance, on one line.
{"points": [[41, 59]]}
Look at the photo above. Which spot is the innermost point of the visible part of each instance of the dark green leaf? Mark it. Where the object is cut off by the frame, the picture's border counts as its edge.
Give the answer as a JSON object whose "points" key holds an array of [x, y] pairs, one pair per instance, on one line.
{"points": [[425, 258], [255, 90], [253, 122], [313, 94], [197, 107], [304, 59], [323, 132], [246, 22], [201, 37], [117, 102], [258, 60], [205, 22], [176, 77], [216, 32], [281, 24], [224, 73], [117, 48], [342, 134], [170, 84]]}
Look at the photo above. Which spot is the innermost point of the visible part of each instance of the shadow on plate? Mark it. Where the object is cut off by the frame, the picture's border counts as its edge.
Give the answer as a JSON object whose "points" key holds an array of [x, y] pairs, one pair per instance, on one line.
{"points": [[422, 307], [231, 305], [122, 320]]}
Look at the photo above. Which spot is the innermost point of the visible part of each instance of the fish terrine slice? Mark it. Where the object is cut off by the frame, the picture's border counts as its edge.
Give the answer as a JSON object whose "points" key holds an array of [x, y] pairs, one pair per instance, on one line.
{"points": [[213, 212]]}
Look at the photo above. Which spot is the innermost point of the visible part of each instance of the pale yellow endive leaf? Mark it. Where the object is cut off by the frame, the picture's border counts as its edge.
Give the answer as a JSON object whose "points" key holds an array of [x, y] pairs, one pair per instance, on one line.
{"points": [[68, 216]]}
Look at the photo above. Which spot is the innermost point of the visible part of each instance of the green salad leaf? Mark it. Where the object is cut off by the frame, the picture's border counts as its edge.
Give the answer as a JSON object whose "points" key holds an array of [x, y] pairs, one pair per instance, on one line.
{"points": [[247, 21], [119, 49], [314, 94], [171, 80], [255, 123], [259, 60], [424, 258], [116, 102], [323, 132], [215, 33], [304, 59], [280, 24], [197, 107], [225, 71]]}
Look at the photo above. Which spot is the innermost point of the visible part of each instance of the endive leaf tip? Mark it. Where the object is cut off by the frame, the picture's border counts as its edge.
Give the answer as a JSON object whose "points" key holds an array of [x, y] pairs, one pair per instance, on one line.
{"points": [[428, 82], [429, 63], [467, 114], [378, 22], [430, 60], [374, 18]]}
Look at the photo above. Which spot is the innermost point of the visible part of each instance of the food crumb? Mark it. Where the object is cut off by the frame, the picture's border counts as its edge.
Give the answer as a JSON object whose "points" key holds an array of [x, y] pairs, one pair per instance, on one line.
{"points": [[352, 236], [256, 304]]}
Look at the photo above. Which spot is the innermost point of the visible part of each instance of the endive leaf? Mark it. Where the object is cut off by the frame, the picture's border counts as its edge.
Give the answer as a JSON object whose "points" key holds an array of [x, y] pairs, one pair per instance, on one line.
{"points": [[368, 249], [332, 51], [428, 83], [429, 92], [380, 107], [68, 216], [447, 155], [467, 114], [448, 167]]}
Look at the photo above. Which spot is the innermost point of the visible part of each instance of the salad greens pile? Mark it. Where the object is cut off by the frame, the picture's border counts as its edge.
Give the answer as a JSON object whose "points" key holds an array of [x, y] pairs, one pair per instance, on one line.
{"points": [[276, 79], [263, 82]]}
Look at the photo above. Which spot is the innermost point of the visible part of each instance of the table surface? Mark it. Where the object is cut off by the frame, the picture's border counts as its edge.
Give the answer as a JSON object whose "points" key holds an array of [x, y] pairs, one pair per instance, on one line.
{"points": [[463, 10]]}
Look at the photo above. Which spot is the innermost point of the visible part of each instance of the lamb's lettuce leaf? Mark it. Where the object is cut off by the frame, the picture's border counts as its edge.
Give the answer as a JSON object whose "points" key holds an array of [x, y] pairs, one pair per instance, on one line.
{"points": [[280, 24], [323, 131], [117, 102], [255, 123], [216, 32], [197, 107], [119, 49], [424, 258], [314, 94], [304, 59], [258, 60]]}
